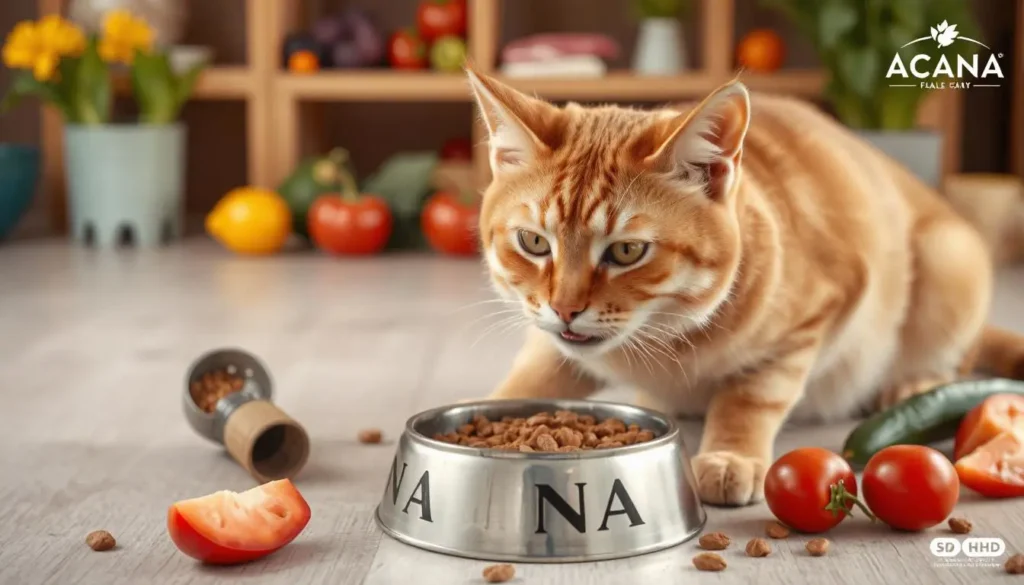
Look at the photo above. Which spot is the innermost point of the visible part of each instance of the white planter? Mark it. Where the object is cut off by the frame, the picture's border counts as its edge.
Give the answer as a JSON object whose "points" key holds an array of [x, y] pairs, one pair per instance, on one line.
{"points": [[659, 47], [918, 150]]}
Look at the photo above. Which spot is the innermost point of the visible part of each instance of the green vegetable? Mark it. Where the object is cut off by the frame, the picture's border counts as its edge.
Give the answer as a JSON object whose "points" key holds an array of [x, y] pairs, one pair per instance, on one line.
{"points": [[314, 177], [923, 419]]}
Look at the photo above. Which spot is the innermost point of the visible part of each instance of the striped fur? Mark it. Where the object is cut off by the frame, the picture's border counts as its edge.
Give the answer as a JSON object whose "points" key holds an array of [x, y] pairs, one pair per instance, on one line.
{"points": [[793, 272]]}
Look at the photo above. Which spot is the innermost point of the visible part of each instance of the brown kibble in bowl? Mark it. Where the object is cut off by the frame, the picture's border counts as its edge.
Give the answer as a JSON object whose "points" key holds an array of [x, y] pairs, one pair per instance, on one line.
{"points": [[817, 547], [776, 530], [758, 547], [499, 573], [960, 525], [100, 540], [370, 436], [714, 541], [709, 562]]}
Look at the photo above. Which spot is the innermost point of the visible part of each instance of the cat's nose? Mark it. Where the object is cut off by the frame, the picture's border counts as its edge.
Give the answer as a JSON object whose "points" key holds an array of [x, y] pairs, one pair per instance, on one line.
{"points": [[568, 310]]}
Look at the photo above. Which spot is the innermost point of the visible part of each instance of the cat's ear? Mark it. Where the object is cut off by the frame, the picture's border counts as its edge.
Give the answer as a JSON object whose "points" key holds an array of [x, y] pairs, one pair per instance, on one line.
{"points": [[708, 139], [521, 129]]}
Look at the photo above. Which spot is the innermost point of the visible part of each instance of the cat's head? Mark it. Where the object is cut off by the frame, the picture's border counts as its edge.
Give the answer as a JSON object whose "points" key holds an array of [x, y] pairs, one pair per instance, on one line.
{"points": [[608, 223]]}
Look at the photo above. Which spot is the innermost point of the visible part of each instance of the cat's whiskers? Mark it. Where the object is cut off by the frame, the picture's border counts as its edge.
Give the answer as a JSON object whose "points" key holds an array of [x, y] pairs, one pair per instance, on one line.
{"points": [[517, 319]]}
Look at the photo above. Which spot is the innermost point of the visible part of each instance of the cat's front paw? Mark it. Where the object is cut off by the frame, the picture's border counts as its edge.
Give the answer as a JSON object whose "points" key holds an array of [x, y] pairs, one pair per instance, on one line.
{"points": [[727, 478]]}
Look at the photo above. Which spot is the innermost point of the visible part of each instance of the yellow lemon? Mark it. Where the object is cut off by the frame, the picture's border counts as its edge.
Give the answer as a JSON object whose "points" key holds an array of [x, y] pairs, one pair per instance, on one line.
{"points": [[250, 221]]}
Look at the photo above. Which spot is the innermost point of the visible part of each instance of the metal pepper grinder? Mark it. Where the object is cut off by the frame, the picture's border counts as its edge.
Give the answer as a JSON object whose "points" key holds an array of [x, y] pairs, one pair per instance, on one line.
{"points": [[264, 440]]}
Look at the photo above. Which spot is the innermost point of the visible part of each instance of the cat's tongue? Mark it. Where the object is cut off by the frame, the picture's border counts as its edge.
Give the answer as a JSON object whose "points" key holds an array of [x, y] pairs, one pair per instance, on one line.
{"points": [[570, 336]]}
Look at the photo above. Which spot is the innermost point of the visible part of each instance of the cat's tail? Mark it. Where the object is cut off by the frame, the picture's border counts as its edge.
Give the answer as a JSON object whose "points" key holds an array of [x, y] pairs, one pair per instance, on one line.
{"points": [[1000, 353]]}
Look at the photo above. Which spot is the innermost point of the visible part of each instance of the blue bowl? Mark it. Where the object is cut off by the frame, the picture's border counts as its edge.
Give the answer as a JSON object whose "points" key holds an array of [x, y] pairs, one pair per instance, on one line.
{"points": [[19, 175]]}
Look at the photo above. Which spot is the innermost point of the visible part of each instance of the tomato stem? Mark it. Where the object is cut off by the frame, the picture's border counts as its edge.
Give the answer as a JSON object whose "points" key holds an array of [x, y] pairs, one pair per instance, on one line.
{"points": [[840, 499], [346, 183]]}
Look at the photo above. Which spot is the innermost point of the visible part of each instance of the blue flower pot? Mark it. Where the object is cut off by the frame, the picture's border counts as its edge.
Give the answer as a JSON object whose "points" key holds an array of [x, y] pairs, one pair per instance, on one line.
{"points": [[19, 176]]}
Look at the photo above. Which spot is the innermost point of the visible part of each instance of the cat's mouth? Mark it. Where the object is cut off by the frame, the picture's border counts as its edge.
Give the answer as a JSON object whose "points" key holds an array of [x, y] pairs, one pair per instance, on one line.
{"points": [[579, 339]]}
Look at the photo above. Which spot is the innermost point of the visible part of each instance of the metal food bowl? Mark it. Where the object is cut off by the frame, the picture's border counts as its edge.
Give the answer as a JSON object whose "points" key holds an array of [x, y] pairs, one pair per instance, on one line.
{"points": [[499, 505]]}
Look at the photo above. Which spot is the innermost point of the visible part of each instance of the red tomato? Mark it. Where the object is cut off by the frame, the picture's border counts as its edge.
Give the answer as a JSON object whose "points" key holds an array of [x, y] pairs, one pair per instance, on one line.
{"points": [[406, 50], [996, 468], [451, 225], [996, 414], [457, 149], [438, 18], [228, 527], [810, 489], [350, 226], [910, 487]]}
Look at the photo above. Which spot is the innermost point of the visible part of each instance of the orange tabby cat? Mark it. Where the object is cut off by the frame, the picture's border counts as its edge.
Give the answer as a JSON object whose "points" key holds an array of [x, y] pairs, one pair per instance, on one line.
{"points": [[746, 259]]}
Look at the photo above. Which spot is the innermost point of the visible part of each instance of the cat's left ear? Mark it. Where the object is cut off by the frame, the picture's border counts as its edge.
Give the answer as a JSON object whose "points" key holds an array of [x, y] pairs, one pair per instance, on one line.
{"points": [[521, 129], [709, 138]]}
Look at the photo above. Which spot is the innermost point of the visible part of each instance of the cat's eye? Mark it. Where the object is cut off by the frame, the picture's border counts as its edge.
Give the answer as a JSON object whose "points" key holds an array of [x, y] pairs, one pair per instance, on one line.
{"points": [[534, 243], [625, 253]]}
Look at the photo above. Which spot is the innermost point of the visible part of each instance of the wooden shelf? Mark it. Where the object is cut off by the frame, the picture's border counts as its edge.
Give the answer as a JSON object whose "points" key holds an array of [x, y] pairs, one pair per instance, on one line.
{"points": [[216, 83], [374, 85]]}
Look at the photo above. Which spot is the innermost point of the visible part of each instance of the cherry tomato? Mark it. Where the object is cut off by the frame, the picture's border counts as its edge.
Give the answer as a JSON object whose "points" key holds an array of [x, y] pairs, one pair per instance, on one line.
{"points": [[910, 487], [810, 489], [451, 225], [228, 527], [996, 414], [360, 225], [457, 149], [406, 50], [438, 18], [996, 468]]}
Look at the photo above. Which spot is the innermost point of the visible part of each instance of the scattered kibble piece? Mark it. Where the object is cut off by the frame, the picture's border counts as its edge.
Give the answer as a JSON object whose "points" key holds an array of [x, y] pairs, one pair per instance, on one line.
{"points": [[100, 540], [499, 573], [1015, 565], [370, 436], [714, 541], [817, 547], [960, 525], [776, 530], [758, 547], [709, 562]]}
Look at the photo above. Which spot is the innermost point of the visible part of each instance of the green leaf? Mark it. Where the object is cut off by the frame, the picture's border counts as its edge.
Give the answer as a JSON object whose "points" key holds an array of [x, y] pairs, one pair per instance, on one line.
{"points": [[154, 86], [909, 15], [186, 83], [858, 69], [835, 20], [26, 85], [90, 94]]}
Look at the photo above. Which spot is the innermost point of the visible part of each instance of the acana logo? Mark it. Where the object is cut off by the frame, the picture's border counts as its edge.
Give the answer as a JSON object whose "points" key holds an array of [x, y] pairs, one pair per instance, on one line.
{"points": [[945, 34]]}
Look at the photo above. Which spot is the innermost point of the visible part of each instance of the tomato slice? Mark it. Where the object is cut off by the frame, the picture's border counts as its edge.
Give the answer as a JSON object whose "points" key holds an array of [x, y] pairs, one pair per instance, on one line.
{"points": [[996, 414], [228, 527], [995, 469]]}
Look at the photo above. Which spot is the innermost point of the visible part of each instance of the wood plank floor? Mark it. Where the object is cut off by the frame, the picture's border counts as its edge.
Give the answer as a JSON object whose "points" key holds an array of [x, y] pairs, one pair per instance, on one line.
{"points": [[94, 349]]}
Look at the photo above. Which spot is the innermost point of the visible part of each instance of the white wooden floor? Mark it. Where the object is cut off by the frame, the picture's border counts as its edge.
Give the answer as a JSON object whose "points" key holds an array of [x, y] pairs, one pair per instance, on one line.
{"points": [[94, 348]]}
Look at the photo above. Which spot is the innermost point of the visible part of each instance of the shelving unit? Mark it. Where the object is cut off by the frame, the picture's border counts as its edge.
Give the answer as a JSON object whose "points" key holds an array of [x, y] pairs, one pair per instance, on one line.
{"points": [[1017, 115], [284, 109]]}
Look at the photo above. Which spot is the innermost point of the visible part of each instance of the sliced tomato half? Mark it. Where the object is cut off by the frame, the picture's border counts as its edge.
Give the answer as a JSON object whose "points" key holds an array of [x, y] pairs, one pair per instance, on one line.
{"points": [[996, 414], [228, 527], [995, 469]]}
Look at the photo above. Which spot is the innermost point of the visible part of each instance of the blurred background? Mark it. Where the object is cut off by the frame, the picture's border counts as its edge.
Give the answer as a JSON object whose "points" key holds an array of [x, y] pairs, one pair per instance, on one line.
{"points": [[286, 81]]}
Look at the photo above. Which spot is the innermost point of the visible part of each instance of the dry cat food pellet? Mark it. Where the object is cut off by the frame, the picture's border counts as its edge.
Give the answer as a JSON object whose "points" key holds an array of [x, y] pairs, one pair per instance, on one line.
{"points": [[499, 573], [100, 540], [960, 525], [1015, 565], [545, 432], [212, 386], [776, 530], [758, 547], [817, 547], [709, 562], [714, 541], [370, 436]]}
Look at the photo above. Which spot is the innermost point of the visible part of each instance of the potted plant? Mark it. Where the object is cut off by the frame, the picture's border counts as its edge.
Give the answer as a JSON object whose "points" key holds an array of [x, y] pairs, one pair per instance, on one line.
{"points": [[659, 47], [125, 177], [857, 43]]}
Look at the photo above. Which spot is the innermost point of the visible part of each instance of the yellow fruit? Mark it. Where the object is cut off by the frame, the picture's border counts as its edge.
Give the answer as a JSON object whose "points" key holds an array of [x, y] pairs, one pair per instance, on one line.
{"points": [[250, 221]]}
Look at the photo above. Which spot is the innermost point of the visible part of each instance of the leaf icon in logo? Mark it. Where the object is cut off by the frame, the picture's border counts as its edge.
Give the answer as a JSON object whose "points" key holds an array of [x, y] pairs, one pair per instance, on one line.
{"points": [[944, 34]]}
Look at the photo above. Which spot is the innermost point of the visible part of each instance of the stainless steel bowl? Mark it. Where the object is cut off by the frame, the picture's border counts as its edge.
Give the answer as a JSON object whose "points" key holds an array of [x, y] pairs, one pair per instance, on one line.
{"points": [[540, 507]]}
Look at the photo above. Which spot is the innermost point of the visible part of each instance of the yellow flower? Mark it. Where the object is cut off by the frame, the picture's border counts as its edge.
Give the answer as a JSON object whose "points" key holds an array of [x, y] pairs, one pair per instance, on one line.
{"points": [[38, 46], [123, 35]]}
